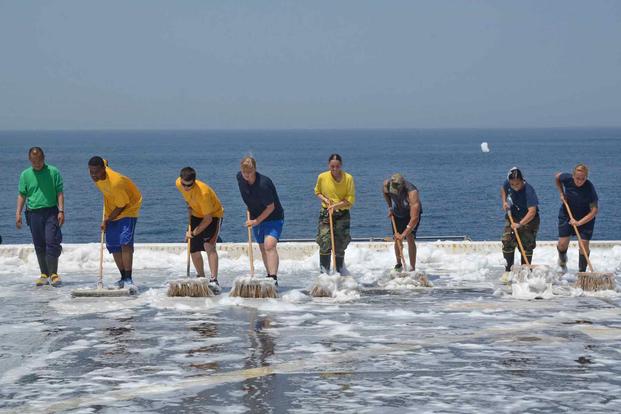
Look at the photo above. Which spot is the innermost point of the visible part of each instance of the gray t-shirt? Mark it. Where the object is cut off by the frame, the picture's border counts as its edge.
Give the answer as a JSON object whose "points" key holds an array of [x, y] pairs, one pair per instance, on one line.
{"points": [[400, 203]]}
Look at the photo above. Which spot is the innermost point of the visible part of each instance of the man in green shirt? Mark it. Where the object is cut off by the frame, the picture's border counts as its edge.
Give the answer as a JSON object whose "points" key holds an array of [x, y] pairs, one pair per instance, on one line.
{"points": [[41, 187]]}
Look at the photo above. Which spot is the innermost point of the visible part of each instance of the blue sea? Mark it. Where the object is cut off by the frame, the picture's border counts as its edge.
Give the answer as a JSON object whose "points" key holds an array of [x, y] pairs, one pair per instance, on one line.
{"points": [[458, 183]]}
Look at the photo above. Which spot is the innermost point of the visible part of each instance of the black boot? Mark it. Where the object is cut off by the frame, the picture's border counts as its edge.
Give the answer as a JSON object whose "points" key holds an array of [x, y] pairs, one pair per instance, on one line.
{"points": [[324, 263], [562, 259], [582, 263], [509, 259], [530, 259], [339, 263]]}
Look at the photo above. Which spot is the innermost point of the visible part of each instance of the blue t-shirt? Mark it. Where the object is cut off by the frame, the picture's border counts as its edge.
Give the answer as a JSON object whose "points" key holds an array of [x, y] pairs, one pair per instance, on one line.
{"points": [[259, 195], [522, 200], [580, 199]]}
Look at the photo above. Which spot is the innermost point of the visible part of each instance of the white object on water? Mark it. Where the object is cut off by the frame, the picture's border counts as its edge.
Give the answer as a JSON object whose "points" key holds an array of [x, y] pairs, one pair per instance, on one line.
{"points": [[484, 147]]}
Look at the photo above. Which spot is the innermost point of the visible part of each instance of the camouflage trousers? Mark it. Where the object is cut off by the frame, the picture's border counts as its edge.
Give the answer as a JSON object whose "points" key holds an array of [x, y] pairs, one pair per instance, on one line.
{"points": [[528, 236], [342, 237]]}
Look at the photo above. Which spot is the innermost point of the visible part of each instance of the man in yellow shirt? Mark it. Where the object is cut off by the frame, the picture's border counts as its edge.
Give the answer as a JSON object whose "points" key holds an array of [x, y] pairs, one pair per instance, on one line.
{"points": [[337, 192], [122, 201], [206, 215]]}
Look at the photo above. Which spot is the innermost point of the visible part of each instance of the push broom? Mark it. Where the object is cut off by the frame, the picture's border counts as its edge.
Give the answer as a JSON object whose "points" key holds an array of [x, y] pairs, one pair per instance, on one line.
{"points": [[250, 286], [101, 291], [590, 281], [422, 278], [319, 290], [196, 288]]}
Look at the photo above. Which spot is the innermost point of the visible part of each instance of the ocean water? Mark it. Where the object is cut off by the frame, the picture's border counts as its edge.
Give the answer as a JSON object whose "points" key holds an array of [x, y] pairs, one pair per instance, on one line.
{"points": [[467, 344], [458, 183]]}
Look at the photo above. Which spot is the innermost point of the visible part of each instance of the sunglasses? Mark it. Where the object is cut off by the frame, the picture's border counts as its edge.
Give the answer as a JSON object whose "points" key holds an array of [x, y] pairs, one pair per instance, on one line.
{"points": [[187, 185]]}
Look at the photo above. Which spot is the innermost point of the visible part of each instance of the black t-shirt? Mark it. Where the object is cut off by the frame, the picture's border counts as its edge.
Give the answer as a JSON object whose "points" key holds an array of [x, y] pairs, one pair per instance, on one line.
{"points": [[521, 200], [259, 195], [580, 199]]}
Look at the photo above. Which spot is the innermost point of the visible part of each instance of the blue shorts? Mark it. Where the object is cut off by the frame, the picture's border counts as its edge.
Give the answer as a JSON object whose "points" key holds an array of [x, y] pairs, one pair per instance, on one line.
{"points": [[120, 233], [566, 230], [267, 228]]}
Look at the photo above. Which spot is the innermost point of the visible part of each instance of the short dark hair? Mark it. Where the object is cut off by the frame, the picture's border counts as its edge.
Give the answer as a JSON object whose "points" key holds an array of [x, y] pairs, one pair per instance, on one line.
{"points": [[187, 174], [34, 150], [335, 157], [96, 162]]}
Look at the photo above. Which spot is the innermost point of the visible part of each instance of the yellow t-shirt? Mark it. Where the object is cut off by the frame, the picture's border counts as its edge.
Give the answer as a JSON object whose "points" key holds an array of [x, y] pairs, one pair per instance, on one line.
{"points": [[120, 191], [336, 191], [202, 199]]}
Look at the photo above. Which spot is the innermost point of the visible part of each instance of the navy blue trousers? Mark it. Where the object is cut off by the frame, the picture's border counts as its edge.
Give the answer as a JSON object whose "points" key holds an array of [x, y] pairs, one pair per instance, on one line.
{"points": [[45, 230]]}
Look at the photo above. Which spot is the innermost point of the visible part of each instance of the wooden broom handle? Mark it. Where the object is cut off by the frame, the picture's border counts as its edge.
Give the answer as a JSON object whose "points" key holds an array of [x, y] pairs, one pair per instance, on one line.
{"points": [[250, 252], [101, 242], [580, 242], [187, 268], [517, 237], [398, 242], [332, 245]]}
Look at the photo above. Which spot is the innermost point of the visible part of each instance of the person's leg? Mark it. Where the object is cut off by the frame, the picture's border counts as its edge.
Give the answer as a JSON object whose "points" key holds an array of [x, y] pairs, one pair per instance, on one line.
{"points": [[127, 253], [53, 249], [197, 261], [528, 234], [564, 233], [323, 240], [212, 258], [586, 232], [508, 245], [412, 250], [36, 223], [341, 238], [271, 255]]}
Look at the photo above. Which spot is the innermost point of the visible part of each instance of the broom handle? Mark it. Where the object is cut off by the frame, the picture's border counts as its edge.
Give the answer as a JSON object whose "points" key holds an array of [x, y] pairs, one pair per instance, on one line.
{"points": [[101, 242], [398, 242], [332, 240], [582, 245], [517, 237], [187, 269], [250, 252]]}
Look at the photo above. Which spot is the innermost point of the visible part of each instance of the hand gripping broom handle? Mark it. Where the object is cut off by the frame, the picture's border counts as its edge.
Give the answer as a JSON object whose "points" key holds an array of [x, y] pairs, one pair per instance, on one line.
{"points": [[250, 252], [101, 242], [187, 268], [332, 240], [398, 242], [517, 237], [582, 245]]}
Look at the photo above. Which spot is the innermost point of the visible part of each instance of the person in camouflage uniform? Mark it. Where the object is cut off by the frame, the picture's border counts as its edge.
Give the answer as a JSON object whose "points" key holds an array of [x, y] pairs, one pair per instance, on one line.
{"points": [[520, 198], [336, 191]]}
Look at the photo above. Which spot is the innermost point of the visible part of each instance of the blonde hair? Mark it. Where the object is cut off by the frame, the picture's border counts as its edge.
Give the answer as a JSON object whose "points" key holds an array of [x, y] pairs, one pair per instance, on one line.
{"points": [[248, 163], [583, 168]]}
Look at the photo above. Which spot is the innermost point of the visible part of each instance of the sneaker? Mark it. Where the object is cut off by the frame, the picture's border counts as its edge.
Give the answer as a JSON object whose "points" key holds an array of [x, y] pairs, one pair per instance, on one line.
{"points": [[42, 280], [55, 280], [505, 278], [128, 282], [398, 267], [214, 280], [120, 283]]}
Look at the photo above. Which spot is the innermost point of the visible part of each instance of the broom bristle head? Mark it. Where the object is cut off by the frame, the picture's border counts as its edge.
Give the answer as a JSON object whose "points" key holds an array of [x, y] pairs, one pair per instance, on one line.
{"points": [[253, 287], [195, 288], [593, 282], [320, 291]]}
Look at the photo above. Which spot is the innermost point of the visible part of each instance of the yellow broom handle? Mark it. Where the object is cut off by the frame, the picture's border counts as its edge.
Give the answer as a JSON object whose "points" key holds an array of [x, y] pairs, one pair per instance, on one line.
{"points": [[332, 240], [580, 242], [398, 242], [101, 242], [517, 237], [187, 269], [250, 252]]}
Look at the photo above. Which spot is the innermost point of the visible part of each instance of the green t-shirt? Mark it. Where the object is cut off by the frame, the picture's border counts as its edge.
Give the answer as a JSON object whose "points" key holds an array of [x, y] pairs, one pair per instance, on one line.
{"points": [[41, 188]]}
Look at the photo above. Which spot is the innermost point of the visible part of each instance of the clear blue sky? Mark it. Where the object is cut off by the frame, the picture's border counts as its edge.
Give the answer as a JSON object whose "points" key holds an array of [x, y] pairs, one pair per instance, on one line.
{"points": [[314, 64]]}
